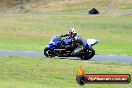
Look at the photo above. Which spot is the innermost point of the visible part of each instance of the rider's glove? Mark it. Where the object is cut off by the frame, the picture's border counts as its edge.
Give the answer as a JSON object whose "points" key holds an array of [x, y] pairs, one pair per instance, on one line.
{"points": [[64, 35]]}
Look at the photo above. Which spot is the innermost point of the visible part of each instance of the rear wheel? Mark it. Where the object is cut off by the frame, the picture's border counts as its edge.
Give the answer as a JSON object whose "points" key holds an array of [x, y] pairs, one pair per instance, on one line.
{"points": [[48, 52], [88, 55]]}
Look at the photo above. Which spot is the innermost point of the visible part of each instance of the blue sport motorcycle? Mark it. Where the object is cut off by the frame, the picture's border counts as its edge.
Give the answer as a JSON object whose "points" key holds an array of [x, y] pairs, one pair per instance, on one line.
{"points": [[64, 47]]}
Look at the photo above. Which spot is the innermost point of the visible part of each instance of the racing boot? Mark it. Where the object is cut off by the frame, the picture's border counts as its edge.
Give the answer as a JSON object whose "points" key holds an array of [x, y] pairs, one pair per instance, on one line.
{"points": [[77, 54]]}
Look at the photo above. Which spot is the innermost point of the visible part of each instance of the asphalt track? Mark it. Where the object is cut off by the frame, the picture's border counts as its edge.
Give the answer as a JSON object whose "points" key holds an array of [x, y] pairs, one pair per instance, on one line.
{"points": [[96, 58], [63, 14]]}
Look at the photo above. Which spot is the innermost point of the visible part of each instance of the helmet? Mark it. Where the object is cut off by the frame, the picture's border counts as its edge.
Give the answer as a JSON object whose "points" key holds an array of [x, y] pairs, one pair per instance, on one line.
{"points": [[72, 32]]}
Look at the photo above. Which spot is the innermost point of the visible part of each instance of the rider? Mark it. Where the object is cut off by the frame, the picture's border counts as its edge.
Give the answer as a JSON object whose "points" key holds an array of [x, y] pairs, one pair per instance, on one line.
{"points": [[77, 39]]}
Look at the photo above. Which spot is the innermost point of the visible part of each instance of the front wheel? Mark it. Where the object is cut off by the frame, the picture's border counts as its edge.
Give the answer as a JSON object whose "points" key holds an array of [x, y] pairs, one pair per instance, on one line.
{"points": [[88, 55], [48, 52]]}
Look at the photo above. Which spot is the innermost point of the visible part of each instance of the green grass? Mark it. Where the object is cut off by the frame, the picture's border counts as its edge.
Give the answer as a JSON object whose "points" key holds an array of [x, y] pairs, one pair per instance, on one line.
{"points": [[33, 32], [17, 72], [66, 6]]}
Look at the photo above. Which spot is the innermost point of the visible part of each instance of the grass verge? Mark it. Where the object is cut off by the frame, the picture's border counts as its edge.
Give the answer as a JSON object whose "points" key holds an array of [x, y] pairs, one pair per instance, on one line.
{"points": [[66, 6], [18, 72]]}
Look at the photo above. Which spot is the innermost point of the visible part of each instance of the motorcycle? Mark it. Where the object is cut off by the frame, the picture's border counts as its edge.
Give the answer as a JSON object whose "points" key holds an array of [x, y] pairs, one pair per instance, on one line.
{"points": [[64, 47]]}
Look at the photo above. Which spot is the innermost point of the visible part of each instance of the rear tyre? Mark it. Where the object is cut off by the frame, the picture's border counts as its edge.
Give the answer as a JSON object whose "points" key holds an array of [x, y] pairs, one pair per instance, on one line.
{"points": [[90, 53]]}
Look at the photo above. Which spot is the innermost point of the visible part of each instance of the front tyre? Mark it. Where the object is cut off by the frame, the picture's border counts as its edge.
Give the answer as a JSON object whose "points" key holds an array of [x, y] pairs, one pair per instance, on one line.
{"points": [[48, 52]]}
